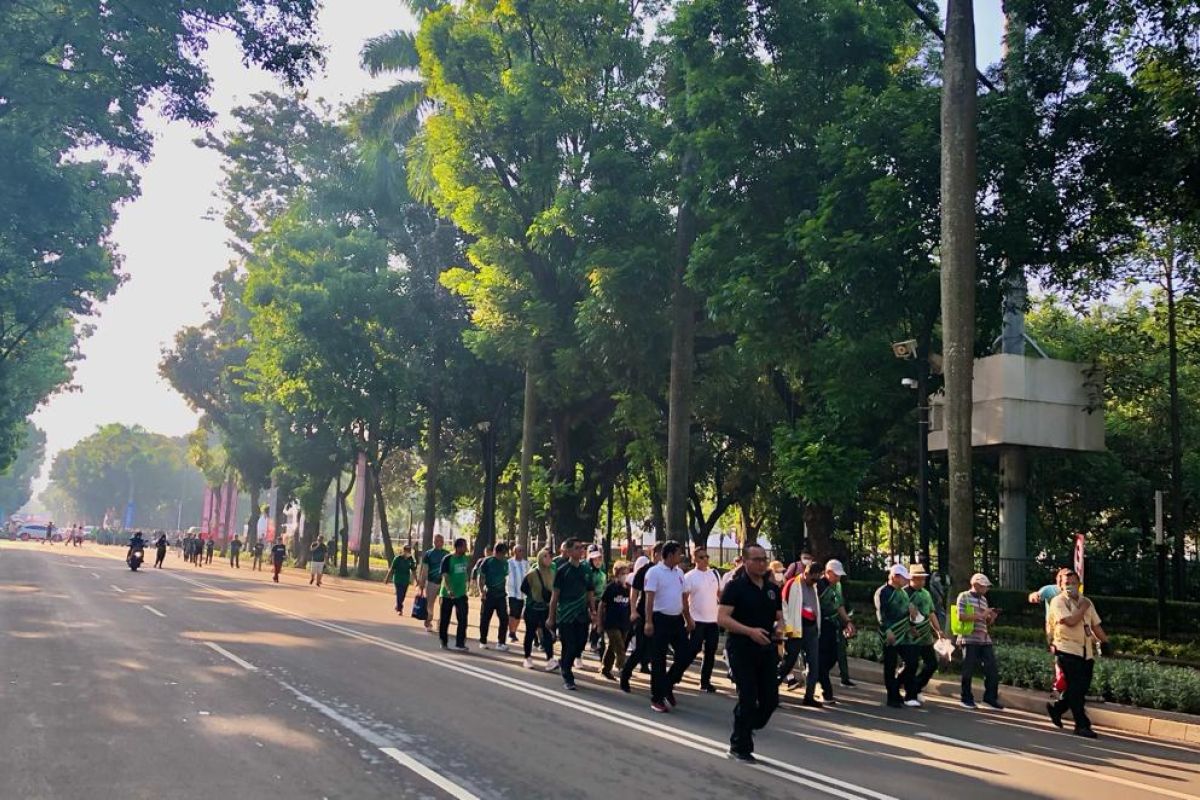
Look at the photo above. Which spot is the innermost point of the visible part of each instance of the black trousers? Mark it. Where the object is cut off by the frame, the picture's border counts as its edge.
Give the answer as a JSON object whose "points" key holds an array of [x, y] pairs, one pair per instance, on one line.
{"points": [[573, 636], [535, 622], [828, 646], [235, 560], [893, 656], [981, 655], [925, 656], [1078, 672], [459, 605], [804, 645], [159, 556], [704, 639], [755, 671], [669, 632], [498, 605], [401, 593], [640, 654]]}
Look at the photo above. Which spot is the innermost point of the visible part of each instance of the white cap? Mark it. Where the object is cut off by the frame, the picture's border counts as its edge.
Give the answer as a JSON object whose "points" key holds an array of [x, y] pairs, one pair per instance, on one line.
{"points": [[835, 566], [594, 552], [898, 569], [641, 562], [981, 579]]}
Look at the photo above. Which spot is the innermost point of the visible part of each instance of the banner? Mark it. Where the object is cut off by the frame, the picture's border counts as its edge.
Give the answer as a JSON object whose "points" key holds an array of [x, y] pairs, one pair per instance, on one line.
{"points": [[128, 515], [360, 502]]}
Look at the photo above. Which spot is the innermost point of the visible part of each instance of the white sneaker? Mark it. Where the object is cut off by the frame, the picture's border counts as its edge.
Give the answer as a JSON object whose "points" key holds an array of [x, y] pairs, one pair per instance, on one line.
{"points": [[921, 698], [502, 647], [484, 646], [552, 665], [914, 703], [527, 663]]}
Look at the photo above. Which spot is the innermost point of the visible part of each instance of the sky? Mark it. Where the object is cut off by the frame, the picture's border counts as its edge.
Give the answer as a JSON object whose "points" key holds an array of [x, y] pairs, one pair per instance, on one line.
{"points": [[172, 246]]}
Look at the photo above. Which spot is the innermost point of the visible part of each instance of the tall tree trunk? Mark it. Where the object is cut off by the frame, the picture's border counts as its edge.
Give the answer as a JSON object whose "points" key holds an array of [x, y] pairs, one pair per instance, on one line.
{"points": [[343, 531], [362, 567], [433, 454], [388, 551], [958, 185], [528, 427], [1177, 526], [683, 346], [251, 537], [818, 522], [656, 505]]}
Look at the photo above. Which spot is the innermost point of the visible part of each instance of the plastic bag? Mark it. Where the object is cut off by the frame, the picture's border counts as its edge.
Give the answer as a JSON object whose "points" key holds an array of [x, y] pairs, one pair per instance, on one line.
{"points": [[944, 648]]}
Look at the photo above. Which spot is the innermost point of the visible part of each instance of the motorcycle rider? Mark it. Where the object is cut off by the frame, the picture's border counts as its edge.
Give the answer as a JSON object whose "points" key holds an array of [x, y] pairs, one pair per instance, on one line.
{"points": [[136, 542]]}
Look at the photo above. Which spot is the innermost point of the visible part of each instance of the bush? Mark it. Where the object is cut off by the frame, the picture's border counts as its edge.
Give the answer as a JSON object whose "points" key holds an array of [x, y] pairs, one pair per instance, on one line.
{"points": [[1138, 683]]}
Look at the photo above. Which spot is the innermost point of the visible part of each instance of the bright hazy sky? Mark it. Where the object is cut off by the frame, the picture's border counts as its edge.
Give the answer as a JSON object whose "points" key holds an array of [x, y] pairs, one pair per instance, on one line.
{"points": [[171, 251]]}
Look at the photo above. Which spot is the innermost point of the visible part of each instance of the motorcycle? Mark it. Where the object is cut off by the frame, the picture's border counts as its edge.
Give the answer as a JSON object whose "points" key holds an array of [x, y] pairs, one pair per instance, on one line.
{"points": [[135, 559]]}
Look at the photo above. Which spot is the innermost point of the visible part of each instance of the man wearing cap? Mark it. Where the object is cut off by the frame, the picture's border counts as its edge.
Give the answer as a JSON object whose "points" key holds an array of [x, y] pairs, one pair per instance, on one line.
{"points": [[835, 625], [595, 557], [974, 613], [925, 631], [895, 614]]}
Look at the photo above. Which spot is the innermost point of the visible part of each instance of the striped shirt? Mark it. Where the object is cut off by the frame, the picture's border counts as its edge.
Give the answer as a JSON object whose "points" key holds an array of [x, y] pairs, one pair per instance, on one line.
{"points": [[974, 605]]}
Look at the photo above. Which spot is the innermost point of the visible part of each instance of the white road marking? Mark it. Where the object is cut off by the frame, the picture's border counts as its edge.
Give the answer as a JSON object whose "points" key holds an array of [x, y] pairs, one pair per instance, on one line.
{"points": [[117, 589], [774, 767], [1045, 762], [440, 781], [239, 661], [154, 611], [95, 575]]}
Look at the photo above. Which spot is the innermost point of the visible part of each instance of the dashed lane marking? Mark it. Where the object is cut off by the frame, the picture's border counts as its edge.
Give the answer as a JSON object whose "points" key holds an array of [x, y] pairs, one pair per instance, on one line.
{"points": [[154, 611], [246, 665]]}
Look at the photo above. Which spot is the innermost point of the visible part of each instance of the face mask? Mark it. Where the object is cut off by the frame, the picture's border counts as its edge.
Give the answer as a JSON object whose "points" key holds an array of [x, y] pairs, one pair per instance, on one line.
{"points": [[1073, 591], [806, 561]]}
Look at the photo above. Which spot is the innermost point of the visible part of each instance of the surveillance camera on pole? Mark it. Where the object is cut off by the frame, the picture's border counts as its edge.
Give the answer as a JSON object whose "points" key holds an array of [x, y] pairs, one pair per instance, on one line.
{"points": [[908, 383], [906, 350]]}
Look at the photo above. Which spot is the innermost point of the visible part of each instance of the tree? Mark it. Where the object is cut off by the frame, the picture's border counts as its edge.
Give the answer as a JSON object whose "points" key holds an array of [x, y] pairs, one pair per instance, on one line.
{"points": [[75, 78], [16, 483]]}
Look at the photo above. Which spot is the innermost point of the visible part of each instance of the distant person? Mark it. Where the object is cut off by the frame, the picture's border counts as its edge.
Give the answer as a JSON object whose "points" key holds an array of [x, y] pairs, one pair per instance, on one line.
{"points": [[595, 560], [278, 554], [209, 547], [614, 617], [49, 534], [802, 631], [798, 566], [493, 588], [160, 551], [454, 572], [1077, 633], [256, 550], [538, 586], [978, 651], [518, 568], [429, 582], [401, 573], [637, 603], [316, 560], [925, 631], [835, 627], [235, 553]]}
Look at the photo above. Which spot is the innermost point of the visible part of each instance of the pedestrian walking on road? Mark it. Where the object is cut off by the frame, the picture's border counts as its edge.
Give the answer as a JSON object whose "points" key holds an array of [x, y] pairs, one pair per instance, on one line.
{"points": [[614, 618], [975, 619], [1077, 633], [401, 573], [925, 631], [493, 588], [208, 550], [235, 553], [595, 560], [257, 552], [1043, 596], [572, 609], [895, 614], [518, 568], [701, 587], [637, 601], [454, 571], [668, 623], [429, 582], [316, 560], [538, 589], [751, 613], [160, 550], [278, 554], [835, 628], [802, 631]]}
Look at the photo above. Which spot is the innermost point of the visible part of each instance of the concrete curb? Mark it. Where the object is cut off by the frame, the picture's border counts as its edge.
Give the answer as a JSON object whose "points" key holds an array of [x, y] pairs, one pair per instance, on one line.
{"points": [[1144, 722]]}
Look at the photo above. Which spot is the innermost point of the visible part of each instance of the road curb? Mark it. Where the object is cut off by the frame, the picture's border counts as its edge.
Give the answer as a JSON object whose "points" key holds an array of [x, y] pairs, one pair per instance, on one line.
{"points": [[1145, 722]]}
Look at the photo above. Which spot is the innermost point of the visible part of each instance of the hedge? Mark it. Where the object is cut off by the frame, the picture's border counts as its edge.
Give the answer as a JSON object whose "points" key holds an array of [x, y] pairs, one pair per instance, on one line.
{"points": [[1120, 614], [1137, 683]]}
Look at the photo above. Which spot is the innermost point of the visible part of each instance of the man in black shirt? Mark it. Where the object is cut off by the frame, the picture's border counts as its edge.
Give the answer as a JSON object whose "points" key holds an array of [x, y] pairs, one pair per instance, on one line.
{"points": [[750, 612], [637, 601]]}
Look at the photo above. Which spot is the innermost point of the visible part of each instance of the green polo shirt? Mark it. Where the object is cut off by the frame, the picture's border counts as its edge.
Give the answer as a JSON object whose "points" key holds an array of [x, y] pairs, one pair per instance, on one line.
{"points": [[454, 572]]}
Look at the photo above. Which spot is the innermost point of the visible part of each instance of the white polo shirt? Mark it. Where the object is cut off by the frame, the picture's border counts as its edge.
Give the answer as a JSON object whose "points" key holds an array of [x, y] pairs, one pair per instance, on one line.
{"points": [[703, 588], [667, 585]]}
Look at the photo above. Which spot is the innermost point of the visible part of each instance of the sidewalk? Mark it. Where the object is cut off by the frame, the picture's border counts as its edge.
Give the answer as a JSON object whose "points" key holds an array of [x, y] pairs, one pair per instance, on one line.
{"points": [[1144, 722]]}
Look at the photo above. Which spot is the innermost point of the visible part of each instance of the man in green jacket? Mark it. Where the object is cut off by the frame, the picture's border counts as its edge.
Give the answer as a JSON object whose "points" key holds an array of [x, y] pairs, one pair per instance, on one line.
{"points": [[924, 632], [493, 588], [895, 614]]}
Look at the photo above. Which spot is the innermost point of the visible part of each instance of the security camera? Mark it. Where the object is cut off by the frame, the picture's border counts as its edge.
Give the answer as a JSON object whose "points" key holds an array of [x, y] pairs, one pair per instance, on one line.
{"points": [[909, 383], [906, 350]]}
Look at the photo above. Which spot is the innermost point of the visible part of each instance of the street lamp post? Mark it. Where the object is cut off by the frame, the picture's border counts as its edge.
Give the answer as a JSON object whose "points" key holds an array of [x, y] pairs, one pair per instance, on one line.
{"points": [[908, 351]]}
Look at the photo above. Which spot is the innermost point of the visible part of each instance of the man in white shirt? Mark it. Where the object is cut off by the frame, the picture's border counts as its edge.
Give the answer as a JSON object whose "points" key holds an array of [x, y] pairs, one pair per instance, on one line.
{"points": [[668, 622], [701, 588], [518, 568]]}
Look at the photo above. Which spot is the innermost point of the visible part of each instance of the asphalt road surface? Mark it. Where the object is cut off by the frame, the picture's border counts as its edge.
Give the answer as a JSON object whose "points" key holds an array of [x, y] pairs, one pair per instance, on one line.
{"points": [[211, 683]]}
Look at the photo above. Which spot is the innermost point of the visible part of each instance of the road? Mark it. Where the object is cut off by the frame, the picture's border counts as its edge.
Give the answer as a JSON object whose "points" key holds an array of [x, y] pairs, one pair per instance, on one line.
{"points": [[200, 683]]}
